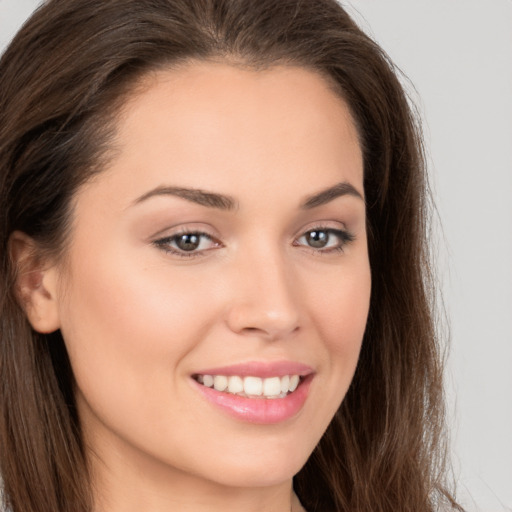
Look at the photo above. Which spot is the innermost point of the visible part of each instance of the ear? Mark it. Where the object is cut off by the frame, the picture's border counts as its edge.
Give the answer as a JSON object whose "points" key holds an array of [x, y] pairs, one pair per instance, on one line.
{"points": [[36, 283]]}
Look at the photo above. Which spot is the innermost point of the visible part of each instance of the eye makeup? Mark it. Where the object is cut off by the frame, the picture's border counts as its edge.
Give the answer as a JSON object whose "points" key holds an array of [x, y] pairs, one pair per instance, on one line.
{"points": [[189, 243]]}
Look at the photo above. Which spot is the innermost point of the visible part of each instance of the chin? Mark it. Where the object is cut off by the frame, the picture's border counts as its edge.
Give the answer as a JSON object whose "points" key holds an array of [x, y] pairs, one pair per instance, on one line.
{"points": [[259, 468], [256, 476]]}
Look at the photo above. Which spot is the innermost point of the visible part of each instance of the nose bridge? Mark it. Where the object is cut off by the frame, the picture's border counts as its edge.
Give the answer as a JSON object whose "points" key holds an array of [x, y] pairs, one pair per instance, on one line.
{"points": [[264, 300]]}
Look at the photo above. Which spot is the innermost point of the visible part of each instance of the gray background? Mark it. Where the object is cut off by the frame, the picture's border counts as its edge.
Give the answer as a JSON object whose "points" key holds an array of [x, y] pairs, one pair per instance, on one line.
{"points": [[458, 55]]}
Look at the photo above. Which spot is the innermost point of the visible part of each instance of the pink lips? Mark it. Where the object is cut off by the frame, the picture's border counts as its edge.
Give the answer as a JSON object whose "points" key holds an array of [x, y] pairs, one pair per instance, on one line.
{"points": [[260, 410], [259, 369]]}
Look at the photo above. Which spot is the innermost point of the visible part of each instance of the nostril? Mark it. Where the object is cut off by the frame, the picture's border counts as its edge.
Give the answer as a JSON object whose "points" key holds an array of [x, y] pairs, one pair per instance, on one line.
{"points": [[269, 333], [254, 331]]}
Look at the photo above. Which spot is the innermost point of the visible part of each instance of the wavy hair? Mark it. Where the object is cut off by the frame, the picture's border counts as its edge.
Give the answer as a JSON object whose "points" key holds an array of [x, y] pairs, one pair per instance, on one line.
{"points": [[63, 80]]}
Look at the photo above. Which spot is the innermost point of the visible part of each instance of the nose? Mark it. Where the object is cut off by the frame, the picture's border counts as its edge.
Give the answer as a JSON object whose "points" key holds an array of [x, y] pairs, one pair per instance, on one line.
{"points": [[264, 302]]}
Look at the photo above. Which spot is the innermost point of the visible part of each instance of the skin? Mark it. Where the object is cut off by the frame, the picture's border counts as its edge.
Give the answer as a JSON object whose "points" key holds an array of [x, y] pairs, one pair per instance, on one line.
{"points": [[138, 320]]}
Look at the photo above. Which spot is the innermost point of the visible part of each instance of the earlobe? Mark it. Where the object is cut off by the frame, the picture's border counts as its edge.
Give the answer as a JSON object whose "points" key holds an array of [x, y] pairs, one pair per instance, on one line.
{"points": [[36, 283]]}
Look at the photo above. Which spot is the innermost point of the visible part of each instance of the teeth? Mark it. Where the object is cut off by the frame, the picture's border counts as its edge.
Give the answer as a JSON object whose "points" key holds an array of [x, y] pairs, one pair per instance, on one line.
{"points": [[285, 384], [271, 387], [220, 382], [235, 384], [253, 386], [294, 382]]}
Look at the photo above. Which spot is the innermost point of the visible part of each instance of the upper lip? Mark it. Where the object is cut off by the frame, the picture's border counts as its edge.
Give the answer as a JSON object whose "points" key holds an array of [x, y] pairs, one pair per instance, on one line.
{"points": [[260, 369]]}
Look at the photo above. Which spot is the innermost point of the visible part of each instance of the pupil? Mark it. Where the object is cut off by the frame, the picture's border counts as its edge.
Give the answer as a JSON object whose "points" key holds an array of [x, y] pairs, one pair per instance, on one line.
{"points": [[188, 242], [317, 239]]}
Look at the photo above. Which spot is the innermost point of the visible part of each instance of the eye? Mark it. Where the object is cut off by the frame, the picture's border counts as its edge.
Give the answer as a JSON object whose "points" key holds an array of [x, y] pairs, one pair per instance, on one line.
{"points": [[187, 243], [325, 239]]}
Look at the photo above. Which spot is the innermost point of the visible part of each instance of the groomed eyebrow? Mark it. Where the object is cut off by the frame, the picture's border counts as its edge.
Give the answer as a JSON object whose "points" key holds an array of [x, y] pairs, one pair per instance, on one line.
{"points": [[208, 199], [325, 196], [224, 202]]}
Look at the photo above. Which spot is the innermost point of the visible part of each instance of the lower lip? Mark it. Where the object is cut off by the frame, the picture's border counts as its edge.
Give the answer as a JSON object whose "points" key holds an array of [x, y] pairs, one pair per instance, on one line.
{"points": [[259, 410]]}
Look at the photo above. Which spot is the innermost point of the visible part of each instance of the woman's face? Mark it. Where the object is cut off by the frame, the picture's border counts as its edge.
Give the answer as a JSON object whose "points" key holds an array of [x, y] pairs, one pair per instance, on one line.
{"points": [[225, 243]]}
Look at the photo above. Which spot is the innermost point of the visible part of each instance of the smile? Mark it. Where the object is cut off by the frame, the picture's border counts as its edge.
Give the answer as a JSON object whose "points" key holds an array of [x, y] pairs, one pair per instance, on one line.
{"points": [[256, 392], [251, 386]]}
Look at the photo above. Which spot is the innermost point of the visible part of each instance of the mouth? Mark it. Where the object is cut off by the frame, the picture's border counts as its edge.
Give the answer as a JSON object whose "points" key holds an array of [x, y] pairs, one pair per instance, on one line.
{"points": [[251, 386], [257, 392]]}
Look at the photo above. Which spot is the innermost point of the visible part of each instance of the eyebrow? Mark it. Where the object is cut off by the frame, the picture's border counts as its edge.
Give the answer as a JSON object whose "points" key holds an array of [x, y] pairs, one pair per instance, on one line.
{"points": [[208, 199], [224, 202], [329, 194]]}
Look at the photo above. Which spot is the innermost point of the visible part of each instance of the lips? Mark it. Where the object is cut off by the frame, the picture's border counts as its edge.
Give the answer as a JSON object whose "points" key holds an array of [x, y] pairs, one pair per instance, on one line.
{"points": [[257, 392]]}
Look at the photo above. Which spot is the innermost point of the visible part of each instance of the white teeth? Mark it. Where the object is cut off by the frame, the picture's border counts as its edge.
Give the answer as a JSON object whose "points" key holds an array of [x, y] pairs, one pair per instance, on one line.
{"points": [[253, 386], [235, 384], [271, 387], [285, 384], [207, 381], [220, 382], [294, 382]]}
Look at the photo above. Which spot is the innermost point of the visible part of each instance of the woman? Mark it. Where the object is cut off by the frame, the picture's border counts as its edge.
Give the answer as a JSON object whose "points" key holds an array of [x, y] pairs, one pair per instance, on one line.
{"points": [[215, 283]]}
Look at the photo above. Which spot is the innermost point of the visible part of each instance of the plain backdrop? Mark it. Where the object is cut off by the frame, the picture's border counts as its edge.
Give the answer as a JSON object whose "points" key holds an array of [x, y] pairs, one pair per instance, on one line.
{"points": [[458, 55]]}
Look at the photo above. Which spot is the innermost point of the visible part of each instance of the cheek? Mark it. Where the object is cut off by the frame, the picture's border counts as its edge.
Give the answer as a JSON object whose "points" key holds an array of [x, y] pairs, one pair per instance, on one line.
{"points": [[340, 317], [127, 304], [127, 327], [342, 308]]}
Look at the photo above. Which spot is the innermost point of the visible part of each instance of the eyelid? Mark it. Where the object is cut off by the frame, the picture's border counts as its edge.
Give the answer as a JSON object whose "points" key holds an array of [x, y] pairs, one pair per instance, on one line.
{"points": [[344, 235], [186, 227], [322, 225], [163, 242]]}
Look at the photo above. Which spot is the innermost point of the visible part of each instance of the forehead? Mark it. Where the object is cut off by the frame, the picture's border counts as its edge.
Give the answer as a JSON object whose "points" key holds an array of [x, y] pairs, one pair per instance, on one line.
{"points": [[216, 126]]}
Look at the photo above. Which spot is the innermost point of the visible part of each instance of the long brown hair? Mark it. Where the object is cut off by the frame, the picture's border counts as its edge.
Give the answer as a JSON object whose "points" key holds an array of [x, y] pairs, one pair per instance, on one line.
{"points": [[62, 82]]}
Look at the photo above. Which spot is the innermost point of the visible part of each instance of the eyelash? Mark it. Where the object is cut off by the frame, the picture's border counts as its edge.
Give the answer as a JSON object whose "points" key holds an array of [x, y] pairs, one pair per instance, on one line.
{"points": [[344, 237], [165, 243]]}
